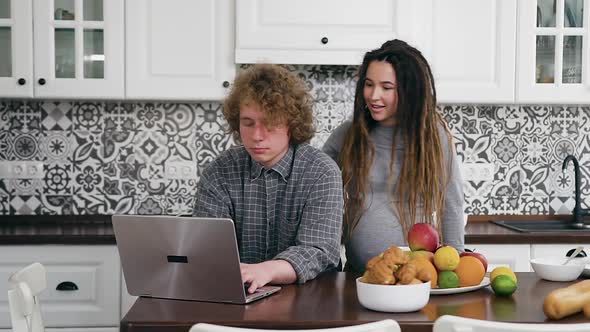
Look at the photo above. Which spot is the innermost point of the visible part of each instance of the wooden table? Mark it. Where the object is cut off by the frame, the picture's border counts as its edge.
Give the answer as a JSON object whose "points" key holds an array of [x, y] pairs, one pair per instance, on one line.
{"points": [[330, 301]]}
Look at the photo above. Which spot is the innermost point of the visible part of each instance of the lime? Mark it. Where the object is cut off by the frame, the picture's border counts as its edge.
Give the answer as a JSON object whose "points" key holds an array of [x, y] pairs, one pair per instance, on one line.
{"points": [[503, 285], [448, 279], [502, 270]]}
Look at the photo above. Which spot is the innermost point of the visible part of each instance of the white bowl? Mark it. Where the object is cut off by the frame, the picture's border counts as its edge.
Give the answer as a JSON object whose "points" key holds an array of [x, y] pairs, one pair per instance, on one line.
{"points": [[551, 268], [393, 298]]}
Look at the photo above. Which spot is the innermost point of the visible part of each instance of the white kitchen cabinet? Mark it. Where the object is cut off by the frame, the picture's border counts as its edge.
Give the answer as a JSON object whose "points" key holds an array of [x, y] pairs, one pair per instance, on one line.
{"points": [[554, 250], [315, 32], [180, 49], [554, 51], [16, 48], [127, 300], [515, 256], [92, 274], [76, 51], [470, 46]]}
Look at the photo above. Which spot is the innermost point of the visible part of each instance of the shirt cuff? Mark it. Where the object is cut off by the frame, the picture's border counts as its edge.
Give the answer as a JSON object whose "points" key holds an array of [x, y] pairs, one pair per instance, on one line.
{"points": [[298, 264]]}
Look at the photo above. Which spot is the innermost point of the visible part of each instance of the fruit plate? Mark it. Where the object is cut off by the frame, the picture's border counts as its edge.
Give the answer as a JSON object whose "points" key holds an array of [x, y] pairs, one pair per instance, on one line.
{"points": [[444, 291]]}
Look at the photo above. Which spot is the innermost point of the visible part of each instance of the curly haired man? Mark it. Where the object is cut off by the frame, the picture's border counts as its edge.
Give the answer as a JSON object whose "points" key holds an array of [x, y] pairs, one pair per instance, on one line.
{"points": [[284, 195]]}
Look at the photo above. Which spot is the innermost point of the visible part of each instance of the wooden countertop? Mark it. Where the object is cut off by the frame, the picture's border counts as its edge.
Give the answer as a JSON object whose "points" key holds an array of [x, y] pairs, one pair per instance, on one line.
{"points": [[331, 301], [97, 229]]}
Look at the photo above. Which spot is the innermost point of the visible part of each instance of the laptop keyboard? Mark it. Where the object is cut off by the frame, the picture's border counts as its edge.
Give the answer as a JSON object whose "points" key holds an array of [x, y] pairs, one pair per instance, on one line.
{"points": [[246, 286]]}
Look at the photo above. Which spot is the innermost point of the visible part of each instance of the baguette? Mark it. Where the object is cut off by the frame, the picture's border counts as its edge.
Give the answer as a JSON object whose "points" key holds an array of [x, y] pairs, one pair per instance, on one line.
{"points": [[586, 310], [567, 301]]}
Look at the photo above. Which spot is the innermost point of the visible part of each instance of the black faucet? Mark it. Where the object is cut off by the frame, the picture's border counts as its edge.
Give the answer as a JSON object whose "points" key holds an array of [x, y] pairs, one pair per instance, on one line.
{"points": [[578, 211]]}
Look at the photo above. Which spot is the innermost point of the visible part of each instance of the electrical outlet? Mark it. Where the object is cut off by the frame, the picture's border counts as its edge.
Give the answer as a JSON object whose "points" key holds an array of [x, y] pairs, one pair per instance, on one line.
{"points": [[34, 170], [180, 170], [477, 171], [5, 170], [21, 170]]}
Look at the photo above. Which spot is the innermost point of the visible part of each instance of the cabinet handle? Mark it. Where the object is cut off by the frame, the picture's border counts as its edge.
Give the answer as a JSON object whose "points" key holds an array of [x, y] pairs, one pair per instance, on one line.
{"points": [[22, 81], [66, 286], [41, 81], [325, 40], [225, 84]]}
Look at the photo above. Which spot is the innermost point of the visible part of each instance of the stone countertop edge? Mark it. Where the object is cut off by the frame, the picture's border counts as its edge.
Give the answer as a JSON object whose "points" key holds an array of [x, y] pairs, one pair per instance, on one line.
{"points": [[97, 230]]}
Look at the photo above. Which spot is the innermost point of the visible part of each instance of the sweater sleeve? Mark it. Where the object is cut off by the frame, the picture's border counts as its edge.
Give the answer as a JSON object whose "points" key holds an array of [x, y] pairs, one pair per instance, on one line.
{"points": [[333, 145], [453, 226]]}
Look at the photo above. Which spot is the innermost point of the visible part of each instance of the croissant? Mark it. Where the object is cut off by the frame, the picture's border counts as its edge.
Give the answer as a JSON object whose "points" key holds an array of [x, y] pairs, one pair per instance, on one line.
{"points": [[406, 273], [395, 256], [379, 271]]}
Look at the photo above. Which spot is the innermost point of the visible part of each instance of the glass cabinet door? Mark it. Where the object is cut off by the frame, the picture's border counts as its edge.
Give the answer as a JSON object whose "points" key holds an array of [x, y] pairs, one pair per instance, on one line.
{"points": [[16, 48], [86, 22], [5, 39], [82, 52], [553, 52], [560, 37]]}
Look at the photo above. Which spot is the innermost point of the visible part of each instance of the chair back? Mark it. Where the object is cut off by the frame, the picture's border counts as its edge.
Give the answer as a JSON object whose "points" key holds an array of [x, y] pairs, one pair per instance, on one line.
{"points": [[387, 325], [24, 287], [448, 323]]}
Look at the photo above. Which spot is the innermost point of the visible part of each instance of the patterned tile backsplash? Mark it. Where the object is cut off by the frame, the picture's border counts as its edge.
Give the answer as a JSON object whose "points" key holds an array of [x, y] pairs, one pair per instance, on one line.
{"points": [[146, 158]]}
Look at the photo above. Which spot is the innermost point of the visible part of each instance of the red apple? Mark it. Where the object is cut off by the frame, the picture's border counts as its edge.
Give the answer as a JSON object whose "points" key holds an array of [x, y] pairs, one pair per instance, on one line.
{"points": [[477, 255], [422, 236]]}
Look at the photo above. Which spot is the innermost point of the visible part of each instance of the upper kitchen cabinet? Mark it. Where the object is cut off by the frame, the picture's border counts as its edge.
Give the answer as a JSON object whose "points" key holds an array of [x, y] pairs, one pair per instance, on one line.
{"points": [[470, 46], [180, 49], [76, 49], [16, 48], [554, 51], [314, 32]]}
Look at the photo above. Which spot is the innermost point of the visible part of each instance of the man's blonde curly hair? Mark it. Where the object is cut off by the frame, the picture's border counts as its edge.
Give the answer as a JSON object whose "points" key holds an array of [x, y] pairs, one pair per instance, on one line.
{"points": [[282, 98]]}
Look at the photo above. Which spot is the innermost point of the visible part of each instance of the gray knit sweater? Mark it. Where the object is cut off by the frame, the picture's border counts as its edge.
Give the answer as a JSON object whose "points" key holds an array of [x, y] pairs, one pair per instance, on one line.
{"points": [[379, 227]]}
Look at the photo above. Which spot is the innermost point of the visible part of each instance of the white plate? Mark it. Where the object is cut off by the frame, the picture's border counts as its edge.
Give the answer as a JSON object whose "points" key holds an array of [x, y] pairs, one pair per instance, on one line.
{"points": [[443, 291]]}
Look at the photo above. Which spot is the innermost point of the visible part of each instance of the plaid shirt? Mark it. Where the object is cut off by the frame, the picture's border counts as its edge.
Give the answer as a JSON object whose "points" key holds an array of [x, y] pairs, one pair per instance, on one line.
{"points": [[292, 211]]}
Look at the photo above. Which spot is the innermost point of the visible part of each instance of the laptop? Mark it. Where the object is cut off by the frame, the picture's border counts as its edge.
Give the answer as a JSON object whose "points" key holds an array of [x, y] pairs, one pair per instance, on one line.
{"points": [[185, 258]]}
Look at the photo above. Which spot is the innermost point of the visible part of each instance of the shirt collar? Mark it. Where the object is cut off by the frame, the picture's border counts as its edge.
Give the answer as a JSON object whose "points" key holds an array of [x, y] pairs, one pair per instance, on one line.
{"points": [[283, 166]]}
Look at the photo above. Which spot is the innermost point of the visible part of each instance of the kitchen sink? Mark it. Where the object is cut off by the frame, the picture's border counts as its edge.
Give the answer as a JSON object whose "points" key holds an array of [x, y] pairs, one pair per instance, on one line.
{"points": [[541, 226]]}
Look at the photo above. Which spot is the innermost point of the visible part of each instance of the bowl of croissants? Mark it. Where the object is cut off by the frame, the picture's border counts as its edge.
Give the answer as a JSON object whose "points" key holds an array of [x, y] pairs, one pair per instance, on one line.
{"points": [[392, 282]]}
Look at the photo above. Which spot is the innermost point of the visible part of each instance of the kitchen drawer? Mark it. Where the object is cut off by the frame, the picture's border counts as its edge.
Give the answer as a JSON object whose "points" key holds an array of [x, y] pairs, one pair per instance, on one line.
{"points": [[555, 250], [95, 270], [516, 256]]}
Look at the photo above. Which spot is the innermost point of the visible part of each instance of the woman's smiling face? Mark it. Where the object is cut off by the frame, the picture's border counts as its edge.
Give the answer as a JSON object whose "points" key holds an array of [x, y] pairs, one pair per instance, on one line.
{"points": [[380, 92]]}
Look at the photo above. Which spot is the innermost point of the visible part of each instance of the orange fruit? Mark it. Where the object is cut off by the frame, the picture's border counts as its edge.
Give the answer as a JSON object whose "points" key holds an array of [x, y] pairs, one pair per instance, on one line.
{"points": [[470, 271], [423, 263]]}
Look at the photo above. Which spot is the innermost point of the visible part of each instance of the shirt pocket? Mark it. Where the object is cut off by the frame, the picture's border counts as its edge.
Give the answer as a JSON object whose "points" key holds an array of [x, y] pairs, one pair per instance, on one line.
{"points": [[288, 229]]}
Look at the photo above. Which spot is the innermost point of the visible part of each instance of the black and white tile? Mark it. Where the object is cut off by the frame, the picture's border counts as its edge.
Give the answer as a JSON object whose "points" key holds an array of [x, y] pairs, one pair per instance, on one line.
{"points": [[120, 157]]}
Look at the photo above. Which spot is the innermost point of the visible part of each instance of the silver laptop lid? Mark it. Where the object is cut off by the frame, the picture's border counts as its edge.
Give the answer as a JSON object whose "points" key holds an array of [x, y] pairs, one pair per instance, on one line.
{"points": [[180, 257]]}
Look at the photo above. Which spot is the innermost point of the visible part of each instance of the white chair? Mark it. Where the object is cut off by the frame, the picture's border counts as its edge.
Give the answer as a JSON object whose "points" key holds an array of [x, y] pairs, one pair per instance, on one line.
{"points": [[24, 287], [448, 323], [386, 325]]}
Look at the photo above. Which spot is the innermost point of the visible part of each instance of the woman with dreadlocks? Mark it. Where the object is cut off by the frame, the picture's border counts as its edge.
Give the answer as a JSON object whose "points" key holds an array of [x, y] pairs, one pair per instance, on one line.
{"points": [[398, 163]]}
